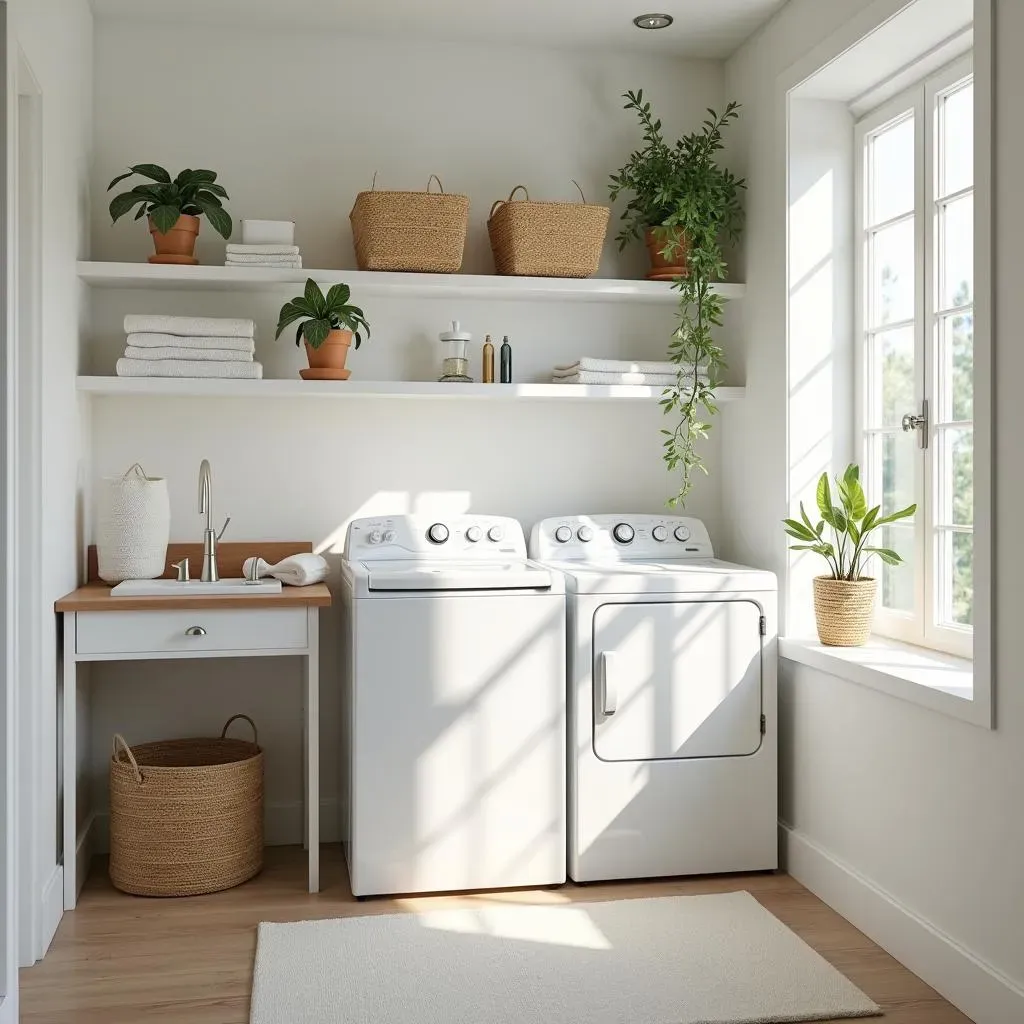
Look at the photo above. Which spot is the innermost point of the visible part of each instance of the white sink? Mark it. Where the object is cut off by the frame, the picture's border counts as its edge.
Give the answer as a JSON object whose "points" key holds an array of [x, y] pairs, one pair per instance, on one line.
{"points": [[194, 588]]}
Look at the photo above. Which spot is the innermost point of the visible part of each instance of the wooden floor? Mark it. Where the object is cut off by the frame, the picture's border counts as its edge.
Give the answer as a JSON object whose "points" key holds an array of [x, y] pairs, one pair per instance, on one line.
{"points": [[119, 959]]}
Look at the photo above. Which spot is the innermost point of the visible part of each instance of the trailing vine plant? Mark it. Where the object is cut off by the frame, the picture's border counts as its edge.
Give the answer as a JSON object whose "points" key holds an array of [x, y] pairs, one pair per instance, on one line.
{"points": [[693, 204]]}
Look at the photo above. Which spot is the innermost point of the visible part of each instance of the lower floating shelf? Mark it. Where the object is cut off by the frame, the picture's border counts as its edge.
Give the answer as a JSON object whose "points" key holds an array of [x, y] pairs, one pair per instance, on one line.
{"points": [[177, 387]]}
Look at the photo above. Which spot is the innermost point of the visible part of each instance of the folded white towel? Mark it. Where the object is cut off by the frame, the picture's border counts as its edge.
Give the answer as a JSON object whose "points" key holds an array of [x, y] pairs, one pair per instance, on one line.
{"points": [[269, 260], [664, 380], [205, 355], [239, 249], [299, 570], [617, 366], [276, 264], [243, 346], [190, 326], [188, 368]]}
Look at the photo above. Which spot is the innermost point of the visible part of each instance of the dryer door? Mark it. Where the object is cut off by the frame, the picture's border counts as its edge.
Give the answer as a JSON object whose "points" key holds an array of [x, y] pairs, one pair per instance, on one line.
{"points": [[677, 680]]}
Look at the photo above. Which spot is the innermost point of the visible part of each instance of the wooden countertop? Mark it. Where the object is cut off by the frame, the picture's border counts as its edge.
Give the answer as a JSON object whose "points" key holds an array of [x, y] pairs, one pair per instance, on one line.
{"points": [[95, 597]]}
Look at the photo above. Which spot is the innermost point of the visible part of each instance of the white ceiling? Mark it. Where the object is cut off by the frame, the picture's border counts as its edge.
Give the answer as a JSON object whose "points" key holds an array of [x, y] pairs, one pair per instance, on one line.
{"points": [[703, 28]]}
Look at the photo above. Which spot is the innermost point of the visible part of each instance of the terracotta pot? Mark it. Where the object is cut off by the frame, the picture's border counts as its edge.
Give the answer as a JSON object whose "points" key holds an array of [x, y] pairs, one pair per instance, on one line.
{"points": [[178, 244], [844, 609], [656, 239], [330, 357]]}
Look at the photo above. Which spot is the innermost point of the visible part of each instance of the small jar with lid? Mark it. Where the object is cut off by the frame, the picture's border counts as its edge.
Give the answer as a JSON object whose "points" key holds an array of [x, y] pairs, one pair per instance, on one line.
{"points": [[455, 355]]}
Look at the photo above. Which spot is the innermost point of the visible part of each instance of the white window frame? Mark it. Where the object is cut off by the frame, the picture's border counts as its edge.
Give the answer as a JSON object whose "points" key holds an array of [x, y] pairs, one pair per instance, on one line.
{"points": [[920, 626]]}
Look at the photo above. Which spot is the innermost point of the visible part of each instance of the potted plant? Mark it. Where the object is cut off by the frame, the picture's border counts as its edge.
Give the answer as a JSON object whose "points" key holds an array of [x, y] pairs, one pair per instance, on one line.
{"points": [[686, 204], [174, 208], [844, 600], [328, 326]]}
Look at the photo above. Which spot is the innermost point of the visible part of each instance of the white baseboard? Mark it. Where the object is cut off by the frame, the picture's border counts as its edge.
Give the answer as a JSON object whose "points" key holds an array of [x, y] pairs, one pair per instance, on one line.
{"points": [[283, 825], [9, 1008], [53, 909], [971, 984]]}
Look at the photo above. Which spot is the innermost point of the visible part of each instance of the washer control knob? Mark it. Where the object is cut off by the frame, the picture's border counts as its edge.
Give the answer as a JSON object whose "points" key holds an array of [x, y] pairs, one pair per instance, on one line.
{"points": [[682, 533], [563, 535], [375, 537], [624, 533], [438, 533], [495, 533], [473, 534], [659, 533], [389, 536], [585, 534]]}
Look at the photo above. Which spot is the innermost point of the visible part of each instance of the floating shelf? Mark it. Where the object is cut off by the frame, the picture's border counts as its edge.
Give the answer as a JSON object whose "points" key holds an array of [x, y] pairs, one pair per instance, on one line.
{"points": [[203, 388], [374, 283]]}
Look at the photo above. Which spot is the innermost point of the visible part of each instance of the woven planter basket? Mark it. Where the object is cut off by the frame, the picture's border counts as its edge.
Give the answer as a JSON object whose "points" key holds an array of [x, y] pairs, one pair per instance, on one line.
{"points": [[186, 816], [531, 239], [844, 609], [411, 231]]}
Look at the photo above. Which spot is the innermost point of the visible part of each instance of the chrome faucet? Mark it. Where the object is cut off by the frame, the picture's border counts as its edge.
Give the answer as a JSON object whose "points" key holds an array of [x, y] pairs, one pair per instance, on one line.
{"points": [[210, 572]]}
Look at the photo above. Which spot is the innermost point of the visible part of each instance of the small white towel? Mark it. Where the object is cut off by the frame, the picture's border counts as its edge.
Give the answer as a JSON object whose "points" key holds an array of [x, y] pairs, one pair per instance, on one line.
{"points": [[205, 355], [188, 368], [239, 249], [190, 326], [239, 347], [664, 380], [617, 366], [232, 260], [299, 570]]}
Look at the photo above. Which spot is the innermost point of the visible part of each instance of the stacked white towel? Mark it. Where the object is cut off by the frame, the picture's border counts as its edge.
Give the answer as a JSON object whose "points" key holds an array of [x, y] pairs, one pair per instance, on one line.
{"points": [[189, 346], [620, 371], [285, 257]]}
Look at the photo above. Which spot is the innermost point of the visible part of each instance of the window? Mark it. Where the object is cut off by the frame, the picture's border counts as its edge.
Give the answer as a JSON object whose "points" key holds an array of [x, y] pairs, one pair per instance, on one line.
{"points": [[915, 359]]}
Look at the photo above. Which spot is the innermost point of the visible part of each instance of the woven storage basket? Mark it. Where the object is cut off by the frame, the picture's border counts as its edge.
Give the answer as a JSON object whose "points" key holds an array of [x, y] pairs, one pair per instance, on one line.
{"points": [[133, 526], [844, 609], [531, 239], [186, 816], [412, 231]]}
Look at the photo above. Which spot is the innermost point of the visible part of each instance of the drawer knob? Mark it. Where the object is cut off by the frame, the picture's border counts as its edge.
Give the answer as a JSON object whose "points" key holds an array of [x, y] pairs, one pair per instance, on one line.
{"points": [[195, 631]]}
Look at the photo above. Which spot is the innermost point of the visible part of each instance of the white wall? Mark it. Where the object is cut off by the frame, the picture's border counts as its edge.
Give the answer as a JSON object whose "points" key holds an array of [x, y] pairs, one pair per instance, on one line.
{"points": [[296, 137], [914, 816], [55, 37]]}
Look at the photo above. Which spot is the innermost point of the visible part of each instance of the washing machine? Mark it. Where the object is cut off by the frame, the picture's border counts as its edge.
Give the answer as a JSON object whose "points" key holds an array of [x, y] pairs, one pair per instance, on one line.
{"points": [[671, 664], [454, 670]]}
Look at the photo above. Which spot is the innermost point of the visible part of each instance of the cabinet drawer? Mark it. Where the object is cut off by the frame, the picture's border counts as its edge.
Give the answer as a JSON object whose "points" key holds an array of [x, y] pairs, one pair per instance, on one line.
{"points": [[191, 631]]}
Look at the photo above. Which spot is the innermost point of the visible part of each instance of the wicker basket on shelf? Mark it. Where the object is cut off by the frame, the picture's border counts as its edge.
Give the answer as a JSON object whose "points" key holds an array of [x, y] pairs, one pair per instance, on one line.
{"points": [[186, 816], [533, 239], [410, 231], [844, 609]]}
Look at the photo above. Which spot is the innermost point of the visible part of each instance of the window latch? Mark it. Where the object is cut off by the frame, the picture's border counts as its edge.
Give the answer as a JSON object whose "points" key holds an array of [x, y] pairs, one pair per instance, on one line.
{"points": [[913, 421]]}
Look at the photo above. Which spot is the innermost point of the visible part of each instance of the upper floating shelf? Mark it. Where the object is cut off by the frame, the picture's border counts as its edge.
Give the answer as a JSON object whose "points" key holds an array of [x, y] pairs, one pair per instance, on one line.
{"points": [[370, 283]]}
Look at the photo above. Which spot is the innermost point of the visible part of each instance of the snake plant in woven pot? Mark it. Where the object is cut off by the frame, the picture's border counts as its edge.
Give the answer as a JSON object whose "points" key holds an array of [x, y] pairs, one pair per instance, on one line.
{"points": [[844, 600]]}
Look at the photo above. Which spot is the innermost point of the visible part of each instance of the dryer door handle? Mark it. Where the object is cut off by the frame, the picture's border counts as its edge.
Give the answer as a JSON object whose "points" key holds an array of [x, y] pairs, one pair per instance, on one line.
{"points": [[609, 688]]}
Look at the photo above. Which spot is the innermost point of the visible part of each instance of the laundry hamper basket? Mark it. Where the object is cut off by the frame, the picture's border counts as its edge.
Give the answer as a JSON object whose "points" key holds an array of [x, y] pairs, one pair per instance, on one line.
{"points": [[186, 816], [412, 231], [133, 525], [530, 239]]}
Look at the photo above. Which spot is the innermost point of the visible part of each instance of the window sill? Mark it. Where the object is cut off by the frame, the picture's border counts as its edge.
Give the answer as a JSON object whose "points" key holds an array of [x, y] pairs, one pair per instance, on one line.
{"points": [[933, 680]]}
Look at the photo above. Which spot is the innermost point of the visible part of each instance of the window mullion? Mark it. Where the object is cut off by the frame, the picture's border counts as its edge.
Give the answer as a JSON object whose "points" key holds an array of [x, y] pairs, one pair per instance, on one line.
{"points": [[925, 297]]}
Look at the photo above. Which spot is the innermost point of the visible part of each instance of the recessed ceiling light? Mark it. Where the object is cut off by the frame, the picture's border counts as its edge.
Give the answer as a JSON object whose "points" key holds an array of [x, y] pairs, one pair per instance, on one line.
{"points": [[653, 21]]}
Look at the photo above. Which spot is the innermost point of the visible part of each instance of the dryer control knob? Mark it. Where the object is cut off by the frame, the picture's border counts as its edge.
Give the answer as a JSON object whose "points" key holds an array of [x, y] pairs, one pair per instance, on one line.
{"points": [[389, 536], [585, 534], [495, 533], [659, 533], [375, 537], [682, 533], [623, 533], [563, 535], [473, 534], [438, 533]]}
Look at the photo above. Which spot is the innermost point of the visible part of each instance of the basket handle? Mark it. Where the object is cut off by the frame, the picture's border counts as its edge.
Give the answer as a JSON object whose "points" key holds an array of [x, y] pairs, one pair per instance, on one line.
{"points": [[501, 202], [119, 739], [373, 184], [233, 718], [434, 177], [578, 189], [137, 469]]}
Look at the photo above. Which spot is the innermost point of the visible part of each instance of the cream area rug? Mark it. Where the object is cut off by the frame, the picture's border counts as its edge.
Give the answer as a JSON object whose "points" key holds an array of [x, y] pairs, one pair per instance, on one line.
{"points": [[719, 959]]}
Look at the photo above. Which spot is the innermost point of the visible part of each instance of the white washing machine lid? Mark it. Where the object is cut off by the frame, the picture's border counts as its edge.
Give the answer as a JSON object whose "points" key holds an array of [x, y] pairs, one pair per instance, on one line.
{"points": [[418, 575], [672, 576]]}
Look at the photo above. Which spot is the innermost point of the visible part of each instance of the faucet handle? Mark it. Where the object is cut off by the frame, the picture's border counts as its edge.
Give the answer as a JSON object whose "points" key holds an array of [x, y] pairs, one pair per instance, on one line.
{"points": [[182, 567], [254, 570], [223, 528]]}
